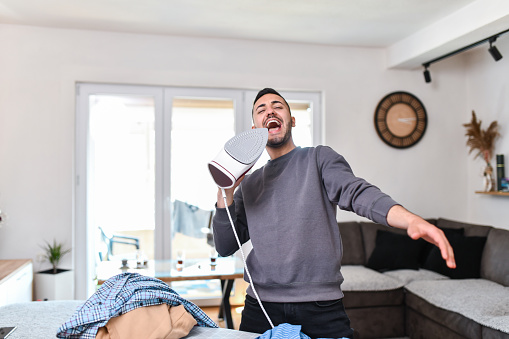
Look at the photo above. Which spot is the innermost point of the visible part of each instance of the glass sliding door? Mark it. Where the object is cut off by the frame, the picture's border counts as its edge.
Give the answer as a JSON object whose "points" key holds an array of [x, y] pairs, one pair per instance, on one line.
{"points": [[199, 130], [142, 181], [118, 144], [201, 122], [122, 175]]}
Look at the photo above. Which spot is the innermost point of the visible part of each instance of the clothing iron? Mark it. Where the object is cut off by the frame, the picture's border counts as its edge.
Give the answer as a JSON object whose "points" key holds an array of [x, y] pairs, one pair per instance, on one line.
{"points": [[238, 156]]}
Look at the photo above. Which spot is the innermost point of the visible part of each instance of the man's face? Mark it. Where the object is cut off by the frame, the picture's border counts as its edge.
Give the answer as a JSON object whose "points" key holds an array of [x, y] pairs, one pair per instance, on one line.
{"points": [[271, 112]]}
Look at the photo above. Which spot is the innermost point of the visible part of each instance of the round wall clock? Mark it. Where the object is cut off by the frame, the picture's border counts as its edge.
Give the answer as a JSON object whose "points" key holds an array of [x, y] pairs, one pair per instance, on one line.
{"points": [[400, 119]]}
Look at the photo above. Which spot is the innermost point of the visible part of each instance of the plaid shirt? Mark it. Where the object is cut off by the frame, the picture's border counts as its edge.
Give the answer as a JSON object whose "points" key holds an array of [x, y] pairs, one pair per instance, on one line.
{"points": [[121, 294]]}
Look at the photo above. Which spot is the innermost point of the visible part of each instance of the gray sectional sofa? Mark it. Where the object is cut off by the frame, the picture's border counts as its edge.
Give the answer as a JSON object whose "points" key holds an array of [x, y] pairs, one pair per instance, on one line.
{"points": [[395, 286]]}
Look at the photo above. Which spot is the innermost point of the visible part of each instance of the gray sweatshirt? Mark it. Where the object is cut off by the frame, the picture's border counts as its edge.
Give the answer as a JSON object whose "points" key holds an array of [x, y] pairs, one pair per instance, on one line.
{"points": [[288, 210]]}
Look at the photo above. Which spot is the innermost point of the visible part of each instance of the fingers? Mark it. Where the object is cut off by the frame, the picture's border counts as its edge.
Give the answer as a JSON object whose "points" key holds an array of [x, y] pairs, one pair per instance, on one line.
{"points": [[229, 194], [237, 183], [448, 254], [435, 236], [446, 249]]}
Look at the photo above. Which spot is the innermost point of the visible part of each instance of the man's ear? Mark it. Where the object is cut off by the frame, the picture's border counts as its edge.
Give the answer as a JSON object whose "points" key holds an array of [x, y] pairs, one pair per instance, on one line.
{"points": [[293, 121]]}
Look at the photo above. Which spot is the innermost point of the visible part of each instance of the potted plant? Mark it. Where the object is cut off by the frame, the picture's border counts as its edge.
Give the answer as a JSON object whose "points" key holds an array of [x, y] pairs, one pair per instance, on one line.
{"points": [[54, 283], [53, 253]]}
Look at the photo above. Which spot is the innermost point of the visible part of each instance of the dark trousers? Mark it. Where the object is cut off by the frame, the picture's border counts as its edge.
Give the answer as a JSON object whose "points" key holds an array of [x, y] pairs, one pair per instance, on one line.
{"points": [[319, 319]]}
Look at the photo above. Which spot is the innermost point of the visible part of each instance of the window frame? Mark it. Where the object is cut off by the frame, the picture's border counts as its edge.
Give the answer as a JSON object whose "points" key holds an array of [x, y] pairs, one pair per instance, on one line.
{"points": [[84, 259]]}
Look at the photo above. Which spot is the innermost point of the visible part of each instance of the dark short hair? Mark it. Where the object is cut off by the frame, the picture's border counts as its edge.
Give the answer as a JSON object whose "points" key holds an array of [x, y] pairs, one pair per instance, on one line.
{"points": [[269, 91]]}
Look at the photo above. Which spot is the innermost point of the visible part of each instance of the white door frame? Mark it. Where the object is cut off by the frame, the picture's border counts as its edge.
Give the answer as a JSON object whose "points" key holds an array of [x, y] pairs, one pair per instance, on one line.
{"points": [[163, 97], [84, 240]]}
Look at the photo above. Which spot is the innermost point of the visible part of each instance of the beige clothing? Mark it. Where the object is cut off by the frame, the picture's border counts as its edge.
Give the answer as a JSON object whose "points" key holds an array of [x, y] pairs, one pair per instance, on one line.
{"points": [[149, 322]]}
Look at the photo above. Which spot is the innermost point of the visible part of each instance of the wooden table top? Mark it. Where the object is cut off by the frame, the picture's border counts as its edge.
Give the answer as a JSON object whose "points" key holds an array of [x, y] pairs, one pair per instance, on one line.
{"points": [[166, 270], [9, 267]]}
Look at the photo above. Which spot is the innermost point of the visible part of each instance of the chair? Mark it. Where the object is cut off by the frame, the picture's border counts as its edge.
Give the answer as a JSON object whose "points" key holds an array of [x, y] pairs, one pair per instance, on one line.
{"points": [[109, 240]]}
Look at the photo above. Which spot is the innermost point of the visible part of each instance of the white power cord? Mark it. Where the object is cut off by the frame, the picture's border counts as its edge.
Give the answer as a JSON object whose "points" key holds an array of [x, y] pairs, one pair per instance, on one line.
{"points": [[244, 258]]}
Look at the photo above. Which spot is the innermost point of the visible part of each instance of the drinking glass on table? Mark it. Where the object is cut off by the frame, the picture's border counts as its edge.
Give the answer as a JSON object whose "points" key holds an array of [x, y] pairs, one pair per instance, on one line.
{"points": [[181, 254]]}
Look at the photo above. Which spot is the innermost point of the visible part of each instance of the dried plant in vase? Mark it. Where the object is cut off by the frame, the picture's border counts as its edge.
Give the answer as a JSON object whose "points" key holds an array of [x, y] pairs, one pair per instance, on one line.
{"points": [[483, 142]]}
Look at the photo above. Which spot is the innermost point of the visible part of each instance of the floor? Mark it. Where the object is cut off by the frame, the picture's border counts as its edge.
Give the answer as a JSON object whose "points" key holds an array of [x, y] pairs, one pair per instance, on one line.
{"points": [[213, 313]]}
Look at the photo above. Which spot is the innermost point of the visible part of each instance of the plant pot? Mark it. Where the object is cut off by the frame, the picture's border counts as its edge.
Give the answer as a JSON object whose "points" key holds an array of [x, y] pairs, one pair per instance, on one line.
{"points": [[50, 286], [489, 179]]}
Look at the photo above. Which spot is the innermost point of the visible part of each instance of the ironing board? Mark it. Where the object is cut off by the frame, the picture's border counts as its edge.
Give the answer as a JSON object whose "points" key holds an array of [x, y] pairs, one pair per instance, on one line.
{"points": [[41, 319]]}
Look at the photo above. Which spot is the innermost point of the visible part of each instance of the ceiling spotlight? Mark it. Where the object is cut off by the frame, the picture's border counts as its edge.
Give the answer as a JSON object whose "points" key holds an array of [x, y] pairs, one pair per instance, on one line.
{"points": [[494, 50], [427, 76]]}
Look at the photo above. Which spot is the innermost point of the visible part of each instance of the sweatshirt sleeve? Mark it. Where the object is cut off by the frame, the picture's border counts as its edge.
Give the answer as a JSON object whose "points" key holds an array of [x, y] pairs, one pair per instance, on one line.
{"points": [[349, 192], [224, 238]]}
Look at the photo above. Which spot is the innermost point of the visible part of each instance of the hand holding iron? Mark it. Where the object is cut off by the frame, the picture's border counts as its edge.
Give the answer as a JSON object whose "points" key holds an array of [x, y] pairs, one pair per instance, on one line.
{"points": [[229, 193]]}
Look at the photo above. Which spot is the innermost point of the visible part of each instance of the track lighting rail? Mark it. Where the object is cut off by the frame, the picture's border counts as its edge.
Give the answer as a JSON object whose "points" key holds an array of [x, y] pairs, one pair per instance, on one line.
{"points": [[493, 51]]}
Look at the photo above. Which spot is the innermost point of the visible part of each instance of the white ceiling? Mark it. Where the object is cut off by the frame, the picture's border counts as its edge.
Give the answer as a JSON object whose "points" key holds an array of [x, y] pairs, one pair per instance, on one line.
{"points": [[362, 23]]}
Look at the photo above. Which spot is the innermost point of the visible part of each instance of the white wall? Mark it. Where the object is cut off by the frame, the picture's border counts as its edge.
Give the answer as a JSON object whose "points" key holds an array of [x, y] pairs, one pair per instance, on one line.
{"points": [[488, 96], [40, 66]]}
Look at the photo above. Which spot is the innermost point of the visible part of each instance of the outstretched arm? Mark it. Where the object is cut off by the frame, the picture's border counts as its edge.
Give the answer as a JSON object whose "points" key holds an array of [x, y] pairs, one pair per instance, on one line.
{"points": [[417, 227]]}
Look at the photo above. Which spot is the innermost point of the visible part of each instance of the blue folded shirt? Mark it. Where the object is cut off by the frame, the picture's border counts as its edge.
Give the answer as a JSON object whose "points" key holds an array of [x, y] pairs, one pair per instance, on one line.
{"points": [[286, 331]]}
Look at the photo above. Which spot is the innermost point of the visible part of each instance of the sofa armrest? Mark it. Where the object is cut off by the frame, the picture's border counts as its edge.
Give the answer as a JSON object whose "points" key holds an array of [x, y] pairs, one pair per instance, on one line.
{"points": [[494, 263]]}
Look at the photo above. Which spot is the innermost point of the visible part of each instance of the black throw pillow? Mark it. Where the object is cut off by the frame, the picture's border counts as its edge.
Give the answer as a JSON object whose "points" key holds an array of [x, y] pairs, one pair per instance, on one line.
{"points": [[467, 253], [395, 251], [448, 232]]}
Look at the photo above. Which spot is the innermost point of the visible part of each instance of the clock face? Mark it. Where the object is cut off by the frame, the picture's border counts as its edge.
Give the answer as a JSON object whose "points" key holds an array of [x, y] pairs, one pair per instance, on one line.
{"points": [[400, 119]]}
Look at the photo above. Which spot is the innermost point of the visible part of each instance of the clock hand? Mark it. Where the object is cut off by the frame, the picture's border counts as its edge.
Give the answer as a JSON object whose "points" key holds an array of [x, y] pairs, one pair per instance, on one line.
{"points": [[406, 120]]}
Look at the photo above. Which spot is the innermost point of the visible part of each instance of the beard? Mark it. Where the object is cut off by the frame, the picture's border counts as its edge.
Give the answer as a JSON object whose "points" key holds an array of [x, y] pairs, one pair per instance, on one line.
{"points": [[280, 141]]}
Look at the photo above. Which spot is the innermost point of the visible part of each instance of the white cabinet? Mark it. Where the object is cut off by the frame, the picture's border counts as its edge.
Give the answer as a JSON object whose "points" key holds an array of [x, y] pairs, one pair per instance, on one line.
{"points": [[16, 280]]}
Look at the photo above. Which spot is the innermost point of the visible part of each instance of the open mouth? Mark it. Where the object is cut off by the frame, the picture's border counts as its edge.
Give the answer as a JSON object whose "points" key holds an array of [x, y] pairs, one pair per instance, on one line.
{"points": [[273, 125]]}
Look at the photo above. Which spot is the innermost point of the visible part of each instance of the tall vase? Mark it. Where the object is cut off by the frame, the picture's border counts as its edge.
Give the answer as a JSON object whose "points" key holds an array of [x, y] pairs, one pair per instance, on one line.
{"points": [[489, 180]]}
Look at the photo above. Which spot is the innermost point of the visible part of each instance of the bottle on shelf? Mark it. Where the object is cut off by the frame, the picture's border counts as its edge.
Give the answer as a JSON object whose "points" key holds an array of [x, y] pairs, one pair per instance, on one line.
{"points": [[500, 171]]}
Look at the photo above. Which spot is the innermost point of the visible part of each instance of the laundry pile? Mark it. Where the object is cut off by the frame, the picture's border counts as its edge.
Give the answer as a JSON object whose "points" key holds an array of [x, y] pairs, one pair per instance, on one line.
{"points": [[129, 305]]}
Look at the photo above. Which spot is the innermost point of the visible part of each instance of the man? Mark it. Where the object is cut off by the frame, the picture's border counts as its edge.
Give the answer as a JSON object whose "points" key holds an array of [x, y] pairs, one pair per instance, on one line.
{"points": [[288, 210]]}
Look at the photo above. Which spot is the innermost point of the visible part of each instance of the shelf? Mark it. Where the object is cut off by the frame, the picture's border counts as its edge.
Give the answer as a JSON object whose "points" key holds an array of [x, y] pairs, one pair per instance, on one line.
{"points": [[493, 193]]}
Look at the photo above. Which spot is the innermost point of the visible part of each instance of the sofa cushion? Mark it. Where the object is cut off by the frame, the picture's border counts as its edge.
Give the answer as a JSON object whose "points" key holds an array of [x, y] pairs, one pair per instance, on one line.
{"points": [[407, 276], [364, 287], [495, 263], [360, 278], [480, 300], [395, 251], [424, 320], [353, 246], [471, 230], [369, 231], [467, 253], [448, 232]]}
